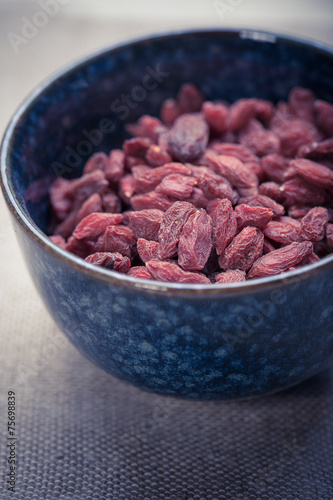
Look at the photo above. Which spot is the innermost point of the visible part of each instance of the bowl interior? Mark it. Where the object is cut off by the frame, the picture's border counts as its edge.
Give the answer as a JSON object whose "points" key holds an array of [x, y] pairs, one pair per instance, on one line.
{"points": [[84, 109]]}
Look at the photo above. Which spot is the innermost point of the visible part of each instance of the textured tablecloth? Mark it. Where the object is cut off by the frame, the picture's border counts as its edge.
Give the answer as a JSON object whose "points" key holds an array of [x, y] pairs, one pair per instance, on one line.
{"points": [[82, 434]]}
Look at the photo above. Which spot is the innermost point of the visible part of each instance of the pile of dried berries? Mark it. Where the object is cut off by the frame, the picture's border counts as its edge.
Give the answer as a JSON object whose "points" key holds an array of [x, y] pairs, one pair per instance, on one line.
{"points": [[209, 193]]}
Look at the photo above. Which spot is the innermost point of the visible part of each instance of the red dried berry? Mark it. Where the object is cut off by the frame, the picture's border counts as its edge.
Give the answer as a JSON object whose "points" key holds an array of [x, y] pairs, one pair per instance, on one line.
{"points": [[244, 250], [171, 228], [329, 235], [215, 115], [171, 272], [60, 203], [189, 98], [213, 185], [97, 161], [93, 225], [263, 201], [263, 110], [240, 113], [298, 211], [126, 188], [232, 169], [224, 224], [139, 272], [188, 137], [138, 146], [231, 276], [280, 260], [293, 134], [252, 216], [111, 203], [115, 167], [285, 230], [177, 186], [262, 143], [156, 156], [147, 126], [239, 151], [147, 179], [313, 172], [114, 261], [59, 240], [272, 190], [274, 166], [147, 250], [81, 248], [313, 224], [146, 223], [169, 112], [85, 186], [301, 103], [116, 239], [195, 242], [324, 116], [92, 204], [298, 190], [151, 200]]}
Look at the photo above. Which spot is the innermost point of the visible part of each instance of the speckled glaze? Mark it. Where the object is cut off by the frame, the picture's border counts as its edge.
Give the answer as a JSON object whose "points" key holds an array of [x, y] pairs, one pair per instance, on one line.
{"points": [[194, 341]]}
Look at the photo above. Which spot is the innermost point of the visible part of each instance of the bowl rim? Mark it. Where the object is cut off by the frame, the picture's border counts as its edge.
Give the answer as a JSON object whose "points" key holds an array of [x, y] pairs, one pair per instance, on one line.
{"points": [[107, 275]]}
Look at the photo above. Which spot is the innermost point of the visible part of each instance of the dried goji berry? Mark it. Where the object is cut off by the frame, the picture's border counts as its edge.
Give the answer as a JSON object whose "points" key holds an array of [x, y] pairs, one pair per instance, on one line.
{"points": [[88, 184], [195, 242], [97, 161], [111, 203], [313, 224], [272, 190], [240, 113], [177, 186], [146, 223], [280, 260], [324, 116], [301, 103], [147, 179], [189, 98], [171, 228], [298, 190], [92, 204], [232, 169], [138, 146], [313, 172], [151, 200], [285, 230], [147, 250], [244, 250], [188, 137], [114, 261], [171, 272], [215, 115], [93, 225], [156, 156], [139, 272], [329, 235], [263, 201], [116, 239], [114, 169], [231, 276], [252, 216], [224, 223]]}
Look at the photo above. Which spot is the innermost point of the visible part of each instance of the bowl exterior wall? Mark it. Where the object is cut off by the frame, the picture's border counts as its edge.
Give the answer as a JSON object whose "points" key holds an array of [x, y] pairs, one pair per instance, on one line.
{"points": [[220, 347]]}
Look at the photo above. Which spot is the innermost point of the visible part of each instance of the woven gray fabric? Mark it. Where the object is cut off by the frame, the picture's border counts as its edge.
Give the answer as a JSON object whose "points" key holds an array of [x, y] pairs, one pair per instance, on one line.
{"points": [[85, 435], [82, 434]]}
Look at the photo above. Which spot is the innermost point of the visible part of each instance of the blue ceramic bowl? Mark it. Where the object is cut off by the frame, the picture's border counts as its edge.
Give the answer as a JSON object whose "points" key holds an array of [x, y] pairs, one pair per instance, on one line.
{"points": [[199, 342]]}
